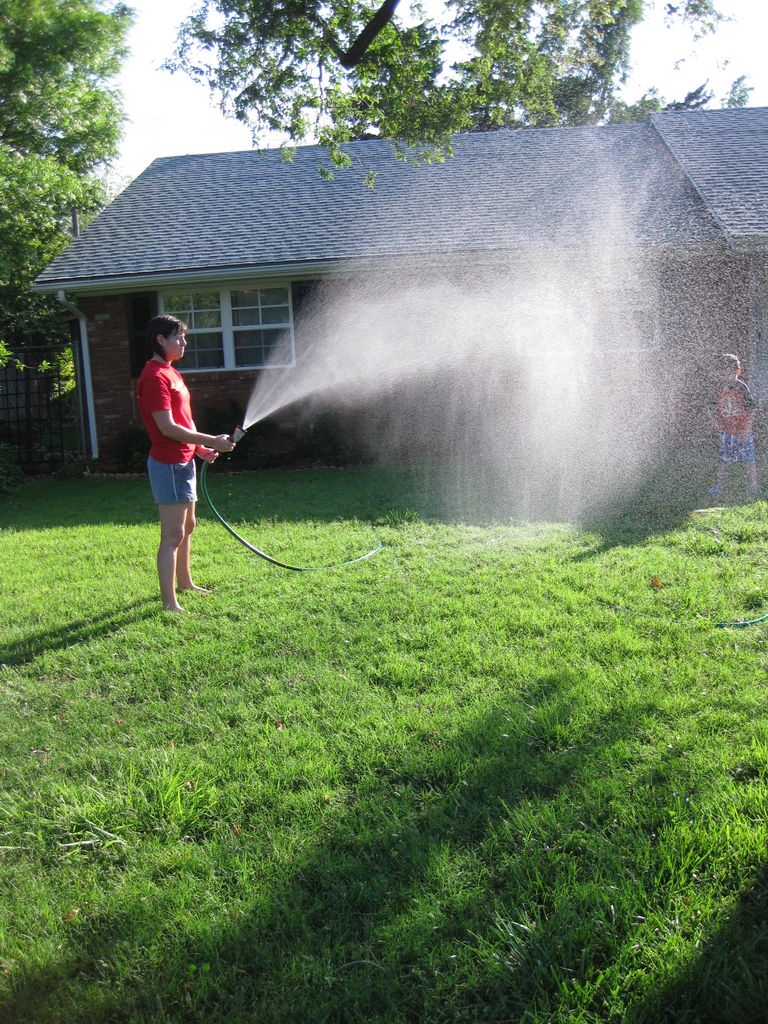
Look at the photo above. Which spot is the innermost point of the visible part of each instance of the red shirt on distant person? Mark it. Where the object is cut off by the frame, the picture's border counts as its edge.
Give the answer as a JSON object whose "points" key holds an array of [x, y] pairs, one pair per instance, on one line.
{"points": [[162, 387], [735, 409]]}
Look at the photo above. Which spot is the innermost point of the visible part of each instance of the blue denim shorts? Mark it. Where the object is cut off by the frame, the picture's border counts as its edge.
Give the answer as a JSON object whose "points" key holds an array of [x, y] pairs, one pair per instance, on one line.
{"points": [[733, 449], [172, 484]]}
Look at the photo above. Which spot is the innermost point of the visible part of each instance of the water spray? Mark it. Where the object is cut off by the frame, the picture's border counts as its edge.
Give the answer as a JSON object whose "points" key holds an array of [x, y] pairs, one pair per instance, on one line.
{"points": [[237, 435]]}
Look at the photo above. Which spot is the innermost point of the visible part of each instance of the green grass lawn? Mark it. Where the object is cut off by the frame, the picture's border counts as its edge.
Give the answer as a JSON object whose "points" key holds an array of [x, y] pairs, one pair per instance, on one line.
{"points": [[499, 772]]}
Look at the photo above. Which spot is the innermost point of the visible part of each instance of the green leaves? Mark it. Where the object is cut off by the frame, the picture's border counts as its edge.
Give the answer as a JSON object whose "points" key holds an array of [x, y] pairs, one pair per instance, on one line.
{"points": [[37, 196], [339, 71], [56, 59], [59, 121]]}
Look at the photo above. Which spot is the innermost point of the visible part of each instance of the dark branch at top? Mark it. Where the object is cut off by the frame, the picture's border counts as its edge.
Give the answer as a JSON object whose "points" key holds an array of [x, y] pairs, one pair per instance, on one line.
{"points": [[352, 57]]}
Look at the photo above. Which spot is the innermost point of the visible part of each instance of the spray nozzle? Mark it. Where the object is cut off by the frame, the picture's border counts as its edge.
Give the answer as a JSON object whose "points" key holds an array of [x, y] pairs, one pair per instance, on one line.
{"points": [[237, 434]]}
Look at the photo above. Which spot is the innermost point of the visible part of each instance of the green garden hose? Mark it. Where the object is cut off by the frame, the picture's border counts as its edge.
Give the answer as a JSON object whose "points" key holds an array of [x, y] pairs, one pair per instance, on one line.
{"points": [[739, 623], [262, 554], [736, 624]]}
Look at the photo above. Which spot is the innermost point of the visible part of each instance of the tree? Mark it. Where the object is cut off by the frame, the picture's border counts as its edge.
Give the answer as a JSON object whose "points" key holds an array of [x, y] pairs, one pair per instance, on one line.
{"points": [[343, 69], [37, 196], [59, 122], [738, 94]]}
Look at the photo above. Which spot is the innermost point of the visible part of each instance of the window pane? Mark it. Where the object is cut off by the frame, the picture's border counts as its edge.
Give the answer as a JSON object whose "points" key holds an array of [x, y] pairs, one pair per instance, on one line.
{"points": [[253, 348], [274, 315], [201, 311], [274, 296], [204, 351], [210, 360], [206, 300], [206, 318], [178, 301], [245, 316], [248, 298], [186, 302]]}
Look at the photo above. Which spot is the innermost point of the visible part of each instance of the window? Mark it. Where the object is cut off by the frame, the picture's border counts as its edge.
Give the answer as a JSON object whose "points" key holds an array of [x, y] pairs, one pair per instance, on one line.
{"points": [[201, 312], [260, 318], [227, 330]]}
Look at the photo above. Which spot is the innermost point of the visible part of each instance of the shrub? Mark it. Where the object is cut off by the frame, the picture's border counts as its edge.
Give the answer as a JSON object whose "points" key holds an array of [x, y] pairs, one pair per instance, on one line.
{"points": [[11, 474], [261, 448], [328, 437], [130, 449]]}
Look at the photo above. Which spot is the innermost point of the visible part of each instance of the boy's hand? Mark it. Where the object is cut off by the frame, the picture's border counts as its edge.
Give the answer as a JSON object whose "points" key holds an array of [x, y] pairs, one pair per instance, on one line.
{"points": [[207, 454]]}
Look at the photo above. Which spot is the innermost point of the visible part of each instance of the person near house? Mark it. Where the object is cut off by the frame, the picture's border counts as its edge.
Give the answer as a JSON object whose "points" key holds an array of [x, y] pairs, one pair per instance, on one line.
{"points": [[735, 413], [166, 411]]}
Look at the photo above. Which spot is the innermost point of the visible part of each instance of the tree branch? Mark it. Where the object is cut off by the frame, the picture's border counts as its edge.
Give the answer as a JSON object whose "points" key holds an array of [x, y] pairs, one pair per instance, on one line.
{"points": [[352, 57], [358, 49]]}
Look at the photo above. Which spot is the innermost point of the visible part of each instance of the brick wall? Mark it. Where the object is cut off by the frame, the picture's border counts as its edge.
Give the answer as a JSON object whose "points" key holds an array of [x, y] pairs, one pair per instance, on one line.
{"points": [[216, 391], [106, 317]]}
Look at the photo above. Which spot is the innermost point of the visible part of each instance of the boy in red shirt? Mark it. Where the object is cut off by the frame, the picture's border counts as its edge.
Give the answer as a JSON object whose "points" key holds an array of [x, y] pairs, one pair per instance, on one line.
{"points": [[735, 418], [165, 409]]}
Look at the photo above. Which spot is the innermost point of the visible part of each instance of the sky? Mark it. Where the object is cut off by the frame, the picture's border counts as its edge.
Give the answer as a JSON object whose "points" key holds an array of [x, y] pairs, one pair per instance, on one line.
{"points": [[169, 115]]}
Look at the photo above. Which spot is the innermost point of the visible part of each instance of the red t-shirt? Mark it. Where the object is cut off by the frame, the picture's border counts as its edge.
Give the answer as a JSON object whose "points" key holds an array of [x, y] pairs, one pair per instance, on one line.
{"points": [[162, 387], [734, 408]]}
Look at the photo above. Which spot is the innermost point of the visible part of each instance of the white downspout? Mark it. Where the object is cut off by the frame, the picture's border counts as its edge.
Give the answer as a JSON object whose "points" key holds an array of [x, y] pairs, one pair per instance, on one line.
{"points": [[87, 381]]}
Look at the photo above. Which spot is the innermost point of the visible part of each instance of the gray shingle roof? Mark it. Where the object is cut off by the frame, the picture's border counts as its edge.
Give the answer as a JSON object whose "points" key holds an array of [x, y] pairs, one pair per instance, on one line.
{"points": [[725, 154], [230, 213]]}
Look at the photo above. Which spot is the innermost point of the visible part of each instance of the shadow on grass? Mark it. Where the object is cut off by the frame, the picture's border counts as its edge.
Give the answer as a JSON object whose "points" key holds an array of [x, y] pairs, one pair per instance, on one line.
{"points": [[386, 917], [26, 648], [290, 495], [662, 502], [728, 982], [659, 499], [317, 948]]}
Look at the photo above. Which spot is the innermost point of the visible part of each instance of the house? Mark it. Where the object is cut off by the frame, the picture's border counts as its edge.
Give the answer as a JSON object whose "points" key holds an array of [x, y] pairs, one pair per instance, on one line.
{"points": [[234, 242]]}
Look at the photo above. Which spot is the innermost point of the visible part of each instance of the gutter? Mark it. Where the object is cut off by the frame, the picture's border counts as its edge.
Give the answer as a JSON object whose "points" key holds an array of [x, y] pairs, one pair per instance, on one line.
{"points": [[87, 379], [150, 281], [321, 269]]}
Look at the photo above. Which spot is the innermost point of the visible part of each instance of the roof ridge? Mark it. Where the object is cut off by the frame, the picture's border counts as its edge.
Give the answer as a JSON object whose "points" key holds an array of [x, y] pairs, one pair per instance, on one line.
{"points": [[496, 133]]}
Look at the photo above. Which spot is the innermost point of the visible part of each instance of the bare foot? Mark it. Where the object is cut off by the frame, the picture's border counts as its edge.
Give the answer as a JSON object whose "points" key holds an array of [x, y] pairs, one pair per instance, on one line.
{"points": [[173, 608], [197, 590]]}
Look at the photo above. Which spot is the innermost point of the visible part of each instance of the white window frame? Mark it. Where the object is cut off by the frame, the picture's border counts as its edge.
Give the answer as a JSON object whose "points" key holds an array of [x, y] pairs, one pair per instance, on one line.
{"points": [[225, 290]]}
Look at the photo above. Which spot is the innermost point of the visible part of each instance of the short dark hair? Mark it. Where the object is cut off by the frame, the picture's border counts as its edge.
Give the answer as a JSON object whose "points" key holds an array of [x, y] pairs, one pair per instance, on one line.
{"points": [[165, 325]]}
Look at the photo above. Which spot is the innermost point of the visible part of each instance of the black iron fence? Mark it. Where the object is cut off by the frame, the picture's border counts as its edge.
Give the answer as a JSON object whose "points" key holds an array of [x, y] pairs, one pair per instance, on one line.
{"points": [[41, 414]]}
